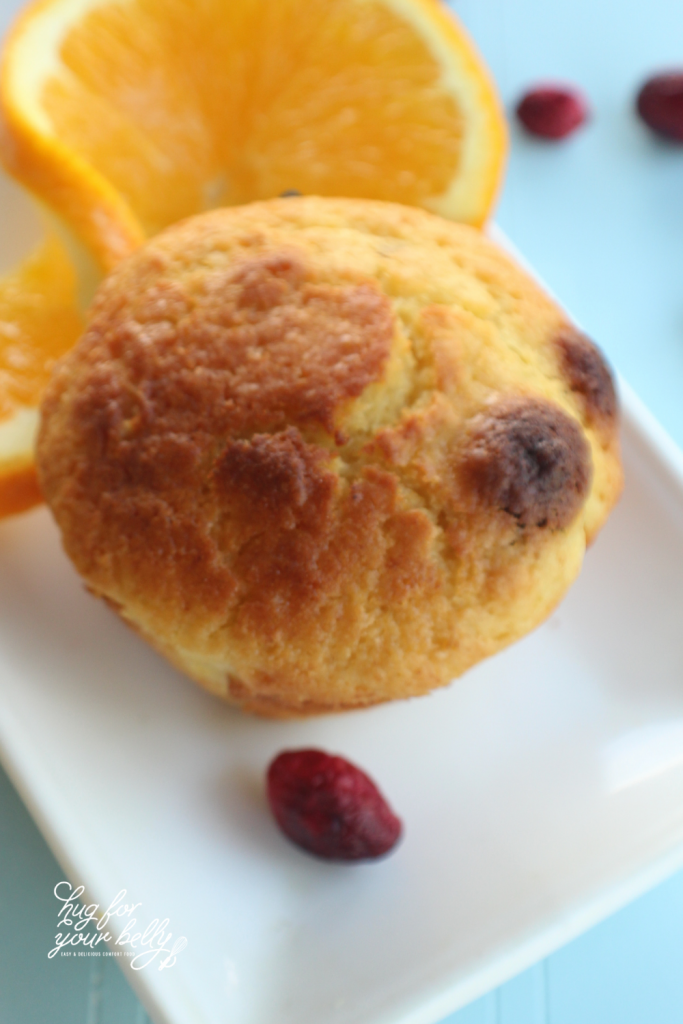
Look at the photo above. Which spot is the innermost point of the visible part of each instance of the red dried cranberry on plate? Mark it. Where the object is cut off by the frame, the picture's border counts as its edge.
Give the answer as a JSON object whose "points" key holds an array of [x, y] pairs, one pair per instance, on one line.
{"points": [[552, 111], [660, 104], [329, 807]]}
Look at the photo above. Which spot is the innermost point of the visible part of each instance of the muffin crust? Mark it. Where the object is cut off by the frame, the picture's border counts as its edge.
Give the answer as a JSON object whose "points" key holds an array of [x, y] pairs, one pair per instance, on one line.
{"points": [[325, 453]]}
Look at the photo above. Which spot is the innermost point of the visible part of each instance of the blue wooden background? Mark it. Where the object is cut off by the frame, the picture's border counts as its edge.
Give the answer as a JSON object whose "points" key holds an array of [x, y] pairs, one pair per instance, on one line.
{"points": [[601, 218]]}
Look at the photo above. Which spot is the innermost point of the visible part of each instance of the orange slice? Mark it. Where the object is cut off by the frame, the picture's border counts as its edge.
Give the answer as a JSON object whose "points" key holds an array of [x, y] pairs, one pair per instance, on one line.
{"points": [[39, 320], [126, 115]]}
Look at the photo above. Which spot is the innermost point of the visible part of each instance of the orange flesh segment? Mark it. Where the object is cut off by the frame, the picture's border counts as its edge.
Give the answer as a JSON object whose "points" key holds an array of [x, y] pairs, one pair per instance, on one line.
{"points": [[185, 106], [39, 321]]}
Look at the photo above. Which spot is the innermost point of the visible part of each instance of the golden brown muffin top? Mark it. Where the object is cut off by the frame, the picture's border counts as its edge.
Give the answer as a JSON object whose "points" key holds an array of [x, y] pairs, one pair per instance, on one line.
{"points": [[277, 406]]}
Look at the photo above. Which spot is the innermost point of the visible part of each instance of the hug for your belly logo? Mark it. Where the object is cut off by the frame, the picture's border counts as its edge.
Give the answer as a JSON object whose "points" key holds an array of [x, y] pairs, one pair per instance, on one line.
{"points": [[83, 930]]}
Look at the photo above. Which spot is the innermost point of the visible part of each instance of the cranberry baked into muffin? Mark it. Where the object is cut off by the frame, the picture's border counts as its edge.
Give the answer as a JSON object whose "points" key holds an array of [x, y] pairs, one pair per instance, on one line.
{"points": [[324, 453]]}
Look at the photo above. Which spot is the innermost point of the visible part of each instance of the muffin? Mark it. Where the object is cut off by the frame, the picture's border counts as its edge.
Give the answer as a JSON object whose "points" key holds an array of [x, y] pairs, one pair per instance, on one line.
{"points": [[324, 453]]}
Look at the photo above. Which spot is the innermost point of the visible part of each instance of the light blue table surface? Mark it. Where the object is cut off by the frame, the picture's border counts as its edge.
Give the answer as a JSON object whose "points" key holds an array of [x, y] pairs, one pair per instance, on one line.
{"points": [[600, 216]]}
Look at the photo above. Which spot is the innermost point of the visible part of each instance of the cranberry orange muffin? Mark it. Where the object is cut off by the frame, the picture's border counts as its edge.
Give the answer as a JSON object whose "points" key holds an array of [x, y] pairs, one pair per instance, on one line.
{"points": [[324, 453]]}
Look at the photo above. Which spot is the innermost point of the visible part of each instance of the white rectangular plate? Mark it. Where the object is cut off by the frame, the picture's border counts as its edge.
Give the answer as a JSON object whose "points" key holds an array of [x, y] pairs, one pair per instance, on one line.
{"points": [[539, 793]]}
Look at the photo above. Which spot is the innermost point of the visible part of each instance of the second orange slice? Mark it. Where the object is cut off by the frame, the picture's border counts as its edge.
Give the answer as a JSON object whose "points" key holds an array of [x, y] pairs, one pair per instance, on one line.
{"points": [[39, 321]]}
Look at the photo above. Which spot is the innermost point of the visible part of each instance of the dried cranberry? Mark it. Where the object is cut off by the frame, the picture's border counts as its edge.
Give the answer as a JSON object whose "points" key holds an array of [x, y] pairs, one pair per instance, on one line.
{"points": [[552, 111], [660, 104], [329, 807]]}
